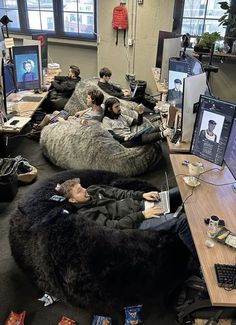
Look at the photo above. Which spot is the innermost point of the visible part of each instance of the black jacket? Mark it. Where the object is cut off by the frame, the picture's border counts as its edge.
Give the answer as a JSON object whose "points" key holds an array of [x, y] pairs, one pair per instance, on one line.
{"points": [[111, 89], [64, 85], [112, 207]]}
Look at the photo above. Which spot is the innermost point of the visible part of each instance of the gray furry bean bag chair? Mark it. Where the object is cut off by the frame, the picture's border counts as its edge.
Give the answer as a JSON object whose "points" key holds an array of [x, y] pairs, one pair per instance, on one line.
{"points": [[86, 264], [78, 98], [72, 146]]}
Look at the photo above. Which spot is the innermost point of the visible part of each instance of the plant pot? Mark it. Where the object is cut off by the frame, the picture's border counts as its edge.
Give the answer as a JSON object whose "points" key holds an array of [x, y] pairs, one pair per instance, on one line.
{"points": [[202, 49]]}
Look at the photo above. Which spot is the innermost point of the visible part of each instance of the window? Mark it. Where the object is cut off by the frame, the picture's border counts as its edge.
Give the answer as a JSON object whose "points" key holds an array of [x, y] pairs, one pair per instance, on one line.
{"points": [[59, 18], [200, 16]]}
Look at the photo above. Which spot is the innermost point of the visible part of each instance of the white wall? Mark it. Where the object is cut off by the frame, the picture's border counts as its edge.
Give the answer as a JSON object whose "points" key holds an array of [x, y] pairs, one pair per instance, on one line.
{"points": [[145, 21]]}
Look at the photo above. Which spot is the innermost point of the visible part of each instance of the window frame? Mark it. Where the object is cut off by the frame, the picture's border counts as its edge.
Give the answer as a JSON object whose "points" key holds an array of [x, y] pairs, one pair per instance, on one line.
{"points": [[59, 24], [178, 17]]}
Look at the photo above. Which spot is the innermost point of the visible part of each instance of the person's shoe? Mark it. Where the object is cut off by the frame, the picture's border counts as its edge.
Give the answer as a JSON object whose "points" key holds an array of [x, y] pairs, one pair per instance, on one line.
{"points": [[48, 300], [14, 318], [34, 135]]}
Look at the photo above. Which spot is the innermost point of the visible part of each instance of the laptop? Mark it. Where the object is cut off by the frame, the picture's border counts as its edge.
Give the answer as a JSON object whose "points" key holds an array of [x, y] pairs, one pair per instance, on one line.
{"points": [[62, 114], [164, 202], [133, 93], [17, 122], [138, 133], [32, 98]]}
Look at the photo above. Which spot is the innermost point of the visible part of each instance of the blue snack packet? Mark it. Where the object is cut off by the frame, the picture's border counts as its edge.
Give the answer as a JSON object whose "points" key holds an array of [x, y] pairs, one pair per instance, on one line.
{"points": [[57, 198], [132, 315], [101, 320]]}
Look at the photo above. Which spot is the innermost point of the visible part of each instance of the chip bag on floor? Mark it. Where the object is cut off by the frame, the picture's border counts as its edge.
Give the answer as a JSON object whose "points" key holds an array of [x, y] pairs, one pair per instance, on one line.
{"points": [[132, 315], [101, 320], [66, 321], [15, 319]]}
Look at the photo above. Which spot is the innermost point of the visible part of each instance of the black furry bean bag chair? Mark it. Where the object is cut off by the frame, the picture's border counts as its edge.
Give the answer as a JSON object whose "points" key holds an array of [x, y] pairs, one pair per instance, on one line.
{"points": [[86, 264]]}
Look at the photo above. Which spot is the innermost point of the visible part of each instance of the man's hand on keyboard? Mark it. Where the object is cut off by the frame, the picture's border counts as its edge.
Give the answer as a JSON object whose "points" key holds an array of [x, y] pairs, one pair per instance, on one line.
{"points": [[151, 196], [149, 213]]}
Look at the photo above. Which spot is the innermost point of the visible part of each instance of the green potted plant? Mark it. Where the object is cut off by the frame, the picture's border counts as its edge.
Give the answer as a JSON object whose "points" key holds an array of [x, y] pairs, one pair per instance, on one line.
{"points": [[228, 20], [205, 42]]}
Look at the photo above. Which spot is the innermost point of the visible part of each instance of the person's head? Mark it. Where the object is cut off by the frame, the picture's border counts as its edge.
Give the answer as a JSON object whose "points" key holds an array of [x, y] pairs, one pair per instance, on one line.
{"points": [[105, 74], [211, 125], [28, 65], [112, 108], [94, 97], [73, 191], [74, 71], [178, 83]]}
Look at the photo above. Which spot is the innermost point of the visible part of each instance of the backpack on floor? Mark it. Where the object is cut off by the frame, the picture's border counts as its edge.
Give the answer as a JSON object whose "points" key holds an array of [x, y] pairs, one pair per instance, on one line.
{"points": [[120, 20], [194, 303]]}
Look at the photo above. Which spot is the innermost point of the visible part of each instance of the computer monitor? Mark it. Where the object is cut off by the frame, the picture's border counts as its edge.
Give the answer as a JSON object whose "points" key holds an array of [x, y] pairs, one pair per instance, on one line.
{"points": [[160, 45], [212, 129], [230, 153], [179, 69], [27, 42], [171, 48], [8, 82], [26, 67], [194, 86]]}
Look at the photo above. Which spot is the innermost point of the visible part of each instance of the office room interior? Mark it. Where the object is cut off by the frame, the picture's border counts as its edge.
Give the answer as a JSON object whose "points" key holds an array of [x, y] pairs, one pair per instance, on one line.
{"points": [[23, 280]]}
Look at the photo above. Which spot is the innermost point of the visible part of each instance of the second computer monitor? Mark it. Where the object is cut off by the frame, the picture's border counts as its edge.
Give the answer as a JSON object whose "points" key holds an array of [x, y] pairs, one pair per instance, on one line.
{"points": [[212, 129], [230, 153], [26, 67]]}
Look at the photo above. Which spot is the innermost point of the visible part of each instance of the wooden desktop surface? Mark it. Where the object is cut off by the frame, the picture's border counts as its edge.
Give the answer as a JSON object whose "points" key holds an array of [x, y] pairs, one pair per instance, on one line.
{"points": [[209, 200], [21, 108], [179, 147]]}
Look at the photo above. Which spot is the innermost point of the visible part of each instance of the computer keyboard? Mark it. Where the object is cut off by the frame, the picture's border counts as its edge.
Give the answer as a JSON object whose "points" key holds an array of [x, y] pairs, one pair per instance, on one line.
{"points": [[226, 275], [163, 203]]}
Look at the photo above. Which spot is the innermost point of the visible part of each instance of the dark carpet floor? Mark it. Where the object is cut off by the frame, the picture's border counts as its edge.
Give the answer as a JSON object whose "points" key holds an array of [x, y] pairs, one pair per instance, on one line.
{"points": [[18, 293]]}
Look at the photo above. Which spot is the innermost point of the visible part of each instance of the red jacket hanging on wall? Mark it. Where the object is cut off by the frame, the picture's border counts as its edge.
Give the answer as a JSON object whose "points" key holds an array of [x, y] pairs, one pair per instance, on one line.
{"points": [[120, 20]]}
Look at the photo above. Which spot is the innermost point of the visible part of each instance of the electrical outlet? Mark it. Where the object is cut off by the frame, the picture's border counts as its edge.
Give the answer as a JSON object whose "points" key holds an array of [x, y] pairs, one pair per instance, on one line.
{"points": [[140, 2], [130, 42]]}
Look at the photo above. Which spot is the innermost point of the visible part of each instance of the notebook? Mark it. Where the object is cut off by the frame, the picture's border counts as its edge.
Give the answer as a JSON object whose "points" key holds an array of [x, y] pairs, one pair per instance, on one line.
{"points": [[164, 202]]}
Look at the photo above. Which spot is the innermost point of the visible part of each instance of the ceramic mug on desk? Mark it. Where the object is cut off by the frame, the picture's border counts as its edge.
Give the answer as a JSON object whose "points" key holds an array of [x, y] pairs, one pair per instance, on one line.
{"points": [[195, 168]]}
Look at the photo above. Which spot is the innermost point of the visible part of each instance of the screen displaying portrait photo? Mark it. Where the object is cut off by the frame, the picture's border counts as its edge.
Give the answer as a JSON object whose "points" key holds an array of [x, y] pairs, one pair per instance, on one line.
{"points": [[26, 66], [212, 129]]}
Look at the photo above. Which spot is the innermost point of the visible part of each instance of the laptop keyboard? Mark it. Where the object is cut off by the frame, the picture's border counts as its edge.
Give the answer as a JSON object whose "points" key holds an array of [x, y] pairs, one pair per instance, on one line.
{"points": [[164, 202]]}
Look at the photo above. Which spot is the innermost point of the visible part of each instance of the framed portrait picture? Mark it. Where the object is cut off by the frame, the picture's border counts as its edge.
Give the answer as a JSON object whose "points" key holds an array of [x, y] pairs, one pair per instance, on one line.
{"points": [[212, 129]]}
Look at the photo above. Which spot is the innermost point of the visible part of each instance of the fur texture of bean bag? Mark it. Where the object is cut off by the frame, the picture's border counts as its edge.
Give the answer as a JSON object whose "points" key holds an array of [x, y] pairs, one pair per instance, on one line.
{"points": [[86, 264], [78, 98], [74, 146], [70, 145]]}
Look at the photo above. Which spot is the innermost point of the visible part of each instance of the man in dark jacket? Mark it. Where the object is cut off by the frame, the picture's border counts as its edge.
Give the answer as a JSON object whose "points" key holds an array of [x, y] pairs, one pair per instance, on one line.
{"points": [[61, 89], [122, 209], [113, 90]]}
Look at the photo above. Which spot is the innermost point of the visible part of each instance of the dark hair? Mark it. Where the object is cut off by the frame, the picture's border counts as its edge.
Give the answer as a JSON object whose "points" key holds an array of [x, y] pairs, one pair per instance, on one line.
{"points": [[105, 72], [75, 69], [108, 106], [96, 96]]}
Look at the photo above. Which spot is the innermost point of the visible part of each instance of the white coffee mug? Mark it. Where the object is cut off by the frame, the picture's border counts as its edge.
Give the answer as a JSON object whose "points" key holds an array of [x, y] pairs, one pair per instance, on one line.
{"points": [[195, 168]]}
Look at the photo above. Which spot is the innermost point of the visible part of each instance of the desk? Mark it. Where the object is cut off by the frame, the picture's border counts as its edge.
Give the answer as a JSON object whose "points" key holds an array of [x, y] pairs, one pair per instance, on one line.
{"points": [[180, 147], [22, 108], [209, 200]]}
